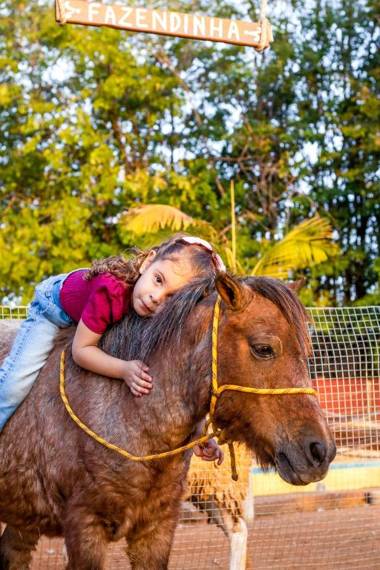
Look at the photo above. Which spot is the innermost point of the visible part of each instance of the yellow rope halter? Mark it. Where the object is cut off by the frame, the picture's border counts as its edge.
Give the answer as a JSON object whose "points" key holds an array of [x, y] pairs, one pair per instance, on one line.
{"points": [[112, 446], [216, 391]]}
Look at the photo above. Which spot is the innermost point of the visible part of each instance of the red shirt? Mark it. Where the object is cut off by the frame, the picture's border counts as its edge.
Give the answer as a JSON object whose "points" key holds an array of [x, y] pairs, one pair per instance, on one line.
{"points": [[99, 302]]}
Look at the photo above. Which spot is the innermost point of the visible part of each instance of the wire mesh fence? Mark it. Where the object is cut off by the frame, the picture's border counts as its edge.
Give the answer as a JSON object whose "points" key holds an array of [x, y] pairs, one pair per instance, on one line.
{"points": [[331, 524], [13, 312], [346, 371]]}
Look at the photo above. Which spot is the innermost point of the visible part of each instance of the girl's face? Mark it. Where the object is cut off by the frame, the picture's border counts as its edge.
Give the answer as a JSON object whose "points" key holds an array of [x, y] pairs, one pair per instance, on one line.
{"points": [[158, 281]]}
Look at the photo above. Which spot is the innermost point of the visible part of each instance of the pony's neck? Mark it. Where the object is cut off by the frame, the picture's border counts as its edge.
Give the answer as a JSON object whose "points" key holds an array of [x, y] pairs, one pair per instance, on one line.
{"points": [[188, 366], [182, 378]]}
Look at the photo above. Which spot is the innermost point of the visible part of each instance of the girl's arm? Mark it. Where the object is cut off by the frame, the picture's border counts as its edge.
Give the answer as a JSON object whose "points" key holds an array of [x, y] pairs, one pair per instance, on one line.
{"points": [[88, 355]]}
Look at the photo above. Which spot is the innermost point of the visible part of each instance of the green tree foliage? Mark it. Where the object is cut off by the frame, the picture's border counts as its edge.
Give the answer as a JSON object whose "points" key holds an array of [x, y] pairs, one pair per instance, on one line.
{"points": [[98, 121], [340, 73]]}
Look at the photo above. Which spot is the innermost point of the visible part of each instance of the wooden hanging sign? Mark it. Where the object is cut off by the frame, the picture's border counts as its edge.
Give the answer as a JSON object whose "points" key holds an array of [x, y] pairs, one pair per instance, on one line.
{"points": [[257, 35]]}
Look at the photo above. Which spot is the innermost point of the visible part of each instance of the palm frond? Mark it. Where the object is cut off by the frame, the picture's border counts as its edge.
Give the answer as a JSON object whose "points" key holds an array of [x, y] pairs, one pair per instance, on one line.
{"points": [[306, 245], [151, 218]]}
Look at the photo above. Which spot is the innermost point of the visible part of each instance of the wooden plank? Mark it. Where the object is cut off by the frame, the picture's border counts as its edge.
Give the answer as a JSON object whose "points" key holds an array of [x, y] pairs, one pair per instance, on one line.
{"points": [[165, 23], [309, 502]]}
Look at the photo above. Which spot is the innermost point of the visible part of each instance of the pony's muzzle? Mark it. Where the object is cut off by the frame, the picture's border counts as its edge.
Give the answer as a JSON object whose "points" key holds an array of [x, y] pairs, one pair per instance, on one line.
{"points": [[305, 461]]}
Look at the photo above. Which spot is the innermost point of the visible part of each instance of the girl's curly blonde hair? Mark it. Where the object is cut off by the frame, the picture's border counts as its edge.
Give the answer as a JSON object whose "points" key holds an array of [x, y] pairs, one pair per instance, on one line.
{"points": [[128, 270]]}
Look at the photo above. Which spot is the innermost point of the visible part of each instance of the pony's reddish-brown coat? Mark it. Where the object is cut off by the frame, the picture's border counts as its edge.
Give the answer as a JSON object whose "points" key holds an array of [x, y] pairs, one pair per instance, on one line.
{"points": [[54, 479]]}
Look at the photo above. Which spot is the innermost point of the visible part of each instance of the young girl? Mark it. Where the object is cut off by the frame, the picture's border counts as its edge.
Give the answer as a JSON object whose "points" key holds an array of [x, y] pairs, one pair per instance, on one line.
{"points": [[95, 299]]}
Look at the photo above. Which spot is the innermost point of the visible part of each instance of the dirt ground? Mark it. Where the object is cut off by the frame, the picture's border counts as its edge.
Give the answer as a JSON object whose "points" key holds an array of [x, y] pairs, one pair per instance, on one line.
{"points": [[321, 540]]}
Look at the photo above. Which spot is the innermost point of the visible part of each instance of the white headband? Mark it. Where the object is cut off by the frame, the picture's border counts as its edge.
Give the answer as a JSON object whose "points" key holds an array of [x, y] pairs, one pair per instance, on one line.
{"points": [[218, 262]]}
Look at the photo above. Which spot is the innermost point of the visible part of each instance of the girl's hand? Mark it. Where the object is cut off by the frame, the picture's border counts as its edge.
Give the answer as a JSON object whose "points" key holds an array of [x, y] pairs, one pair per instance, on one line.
{"points": [[136, 376], [209, 451]]}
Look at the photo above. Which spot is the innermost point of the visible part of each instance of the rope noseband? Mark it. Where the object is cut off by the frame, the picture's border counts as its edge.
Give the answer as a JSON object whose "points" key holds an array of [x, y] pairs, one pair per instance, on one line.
{"points": [[216, 391]]}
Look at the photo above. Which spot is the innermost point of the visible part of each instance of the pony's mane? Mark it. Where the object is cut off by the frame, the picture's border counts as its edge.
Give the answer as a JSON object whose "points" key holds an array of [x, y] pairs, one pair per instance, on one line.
{"points": [[137, 338]]}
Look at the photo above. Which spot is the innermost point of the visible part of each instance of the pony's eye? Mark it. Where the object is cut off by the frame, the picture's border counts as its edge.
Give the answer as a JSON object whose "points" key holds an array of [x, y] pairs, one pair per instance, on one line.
{"points": [[263, 351]]}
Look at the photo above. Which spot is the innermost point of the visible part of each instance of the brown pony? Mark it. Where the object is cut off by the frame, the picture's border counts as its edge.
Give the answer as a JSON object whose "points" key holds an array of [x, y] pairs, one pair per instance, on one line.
{"points": [[55, 480]]}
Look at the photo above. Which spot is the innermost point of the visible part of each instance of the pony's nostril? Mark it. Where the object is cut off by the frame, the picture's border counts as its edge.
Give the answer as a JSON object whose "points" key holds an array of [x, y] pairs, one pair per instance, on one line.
{"points": [[318, 452]]}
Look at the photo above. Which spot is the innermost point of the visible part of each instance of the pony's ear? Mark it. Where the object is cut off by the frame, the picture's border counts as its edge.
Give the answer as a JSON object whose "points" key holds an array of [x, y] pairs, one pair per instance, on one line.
{"points": [[232, 292], [296, 286]]}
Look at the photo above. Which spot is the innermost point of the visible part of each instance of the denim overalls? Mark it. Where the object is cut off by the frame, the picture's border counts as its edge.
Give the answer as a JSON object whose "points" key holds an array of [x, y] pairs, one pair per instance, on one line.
{"points": [[32, 345]]}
